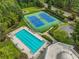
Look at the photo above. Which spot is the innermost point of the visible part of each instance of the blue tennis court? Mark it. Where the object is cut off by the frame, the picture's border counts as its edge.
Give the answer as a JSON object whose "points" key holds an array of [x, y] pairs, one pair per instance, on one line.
{"points": [[47, 17], [41, 21], [32, 42], [35, 21]]}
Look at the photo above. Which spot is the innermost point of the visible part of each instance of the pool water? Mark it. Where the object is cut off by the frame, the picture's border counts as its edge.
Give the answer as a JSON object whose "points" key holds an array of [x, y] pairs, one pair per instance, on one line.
{"points": [[32, 42]]}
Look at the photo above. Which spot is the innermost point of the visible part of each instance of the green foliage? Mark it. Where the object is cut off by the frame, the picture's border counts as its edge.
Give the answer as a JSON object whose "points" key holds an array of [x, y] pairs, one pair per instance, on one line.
{"points": [[2, 36], [53, 29], [72, 17], [59, 3], [23, 3], [29, 3], [49, 4], [75, 6], [42, 1], [39, 4], [47, 38], [61, 36], [69, 5], [58, 14], [10, 13], [23, 56], [8, 51], [22, 23], [75, 34]]}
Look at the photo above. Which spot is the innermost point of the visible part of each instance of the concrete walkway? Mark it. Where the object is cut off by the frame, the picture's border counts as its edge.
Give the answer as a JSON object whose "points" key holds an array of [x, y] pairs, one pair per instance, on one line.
{"points": [[46, 33]]}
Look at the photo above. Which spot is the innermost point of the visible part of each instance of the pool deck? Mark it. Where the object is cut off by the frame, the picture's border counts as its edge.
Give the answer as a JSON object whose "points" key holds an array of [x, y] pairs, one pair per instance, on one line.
{"points": [[23, 48]]}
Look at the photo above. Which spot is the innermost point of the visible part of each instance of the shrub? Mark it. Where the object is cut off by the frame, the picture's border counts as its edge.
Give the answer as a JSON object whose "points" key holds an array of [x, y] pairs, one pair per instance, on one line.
{"points": [[23, 56], [47, 38], [8, 50], [61, 36], [54, 28], [72, 17], [57, 14], [39, 4]]}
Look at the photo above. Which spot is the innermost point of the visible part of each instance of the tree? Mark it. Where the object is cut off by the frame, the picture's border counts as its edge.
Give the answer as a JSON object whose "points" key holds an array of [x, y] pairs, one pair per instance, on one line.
{"points": [[10, 12], [49, 4], [23, 56], [75, 34], [72, 17], [61, 36], [69, 5], [2, 36], [23, 3], [38, 4]]}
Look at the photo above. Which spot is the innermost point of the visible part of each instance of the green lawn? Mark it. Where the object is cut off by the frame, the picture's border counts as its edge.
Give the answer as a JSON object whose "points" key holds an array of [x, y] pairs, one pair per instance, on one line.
{"points": [[31, 9], [8, 50], [61, 36], [42, 0]]}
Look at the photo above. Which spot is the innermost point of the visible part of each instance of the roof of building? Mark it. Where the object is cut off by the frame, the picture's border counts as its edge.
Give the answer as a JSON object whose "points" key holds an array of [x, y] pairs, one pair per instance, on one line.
{"points": [[60, 51]]}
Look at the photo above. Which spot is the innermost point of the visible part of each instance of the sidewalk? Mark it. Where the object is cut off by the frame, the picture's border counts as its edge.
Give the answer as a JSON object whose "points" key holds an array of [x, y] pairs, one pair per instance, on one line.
{"points": [[54, 41]]}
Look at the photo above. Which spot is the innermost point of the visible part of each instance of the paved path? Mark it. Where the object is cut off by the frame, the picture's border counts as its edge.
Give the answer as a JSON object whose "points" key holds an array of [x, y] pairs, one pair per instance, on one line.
{"points": [[54, 41]]}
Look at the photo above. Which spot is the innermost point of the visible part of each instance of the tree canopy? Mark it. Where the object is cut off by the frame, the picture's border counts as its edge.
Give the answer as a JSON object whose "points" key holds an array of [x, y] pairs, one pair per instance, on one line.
{"points": [[75, 34], [69, 5]]}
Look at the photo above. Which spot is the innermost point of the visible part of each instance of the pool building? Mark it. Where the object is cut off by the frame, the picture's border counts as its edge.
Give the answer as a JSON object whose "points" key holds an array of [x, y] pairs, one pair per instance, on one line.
{"points": [[41, 21], [28, 41]]}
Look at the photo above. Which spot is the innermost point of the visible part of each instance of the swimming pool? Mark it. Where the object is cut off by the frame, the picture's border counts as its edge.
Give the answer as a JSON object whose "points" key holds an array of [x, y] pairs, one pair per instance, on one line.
{"points": [[32, 42]]}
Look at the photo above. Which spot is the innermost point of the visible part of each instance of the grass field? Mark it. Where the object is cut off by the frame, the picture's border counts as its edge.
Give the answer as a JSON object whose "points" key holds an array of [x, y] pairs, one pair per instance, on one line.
{"points": [[62, 34], [31, 9], [46, 25], [42, 0]]}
